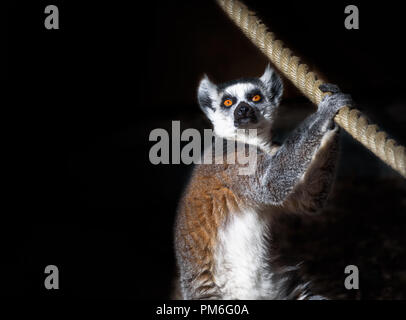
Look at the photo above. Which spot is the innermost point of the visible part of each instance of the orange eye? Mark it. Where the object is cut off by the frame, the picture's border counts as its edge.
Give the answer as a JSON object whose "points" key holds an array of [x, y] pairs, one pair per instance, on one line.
{"points": [[256, 98], [228, 102]]}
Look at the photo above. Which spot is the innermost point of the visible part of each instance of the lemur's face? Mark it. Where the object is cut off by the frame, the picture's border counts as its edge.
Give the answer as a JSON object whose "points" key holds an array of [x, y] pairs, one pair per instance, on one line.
{"points": [[241, 104]]}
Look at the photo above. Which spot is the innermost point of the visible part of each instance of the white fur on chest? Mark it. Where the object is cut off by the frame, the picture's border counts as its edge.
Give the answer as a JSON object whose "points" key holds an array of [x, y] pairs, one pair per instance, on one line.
{"points": [[241, 267]]}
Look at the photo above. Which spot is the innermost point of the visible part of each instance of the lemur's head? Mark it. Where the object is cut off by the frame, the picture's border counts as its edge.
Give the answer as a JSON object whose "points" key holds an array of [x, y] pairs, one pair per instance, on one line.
{"points": [[242, 104]]}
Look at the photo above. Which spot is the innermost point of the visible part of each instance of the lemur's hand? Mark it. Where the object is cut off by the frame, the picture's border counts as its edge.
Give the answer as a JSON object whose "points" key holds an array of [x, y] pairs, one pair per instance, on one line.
{"points": [[334, 102]]}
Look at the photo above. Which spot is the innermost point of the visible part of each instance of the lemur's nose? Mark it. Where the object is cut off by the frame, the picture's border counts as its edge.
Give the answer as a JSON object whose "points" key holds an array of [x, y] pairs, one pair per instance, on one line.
{"points": [[244, 114], [242, 109]]}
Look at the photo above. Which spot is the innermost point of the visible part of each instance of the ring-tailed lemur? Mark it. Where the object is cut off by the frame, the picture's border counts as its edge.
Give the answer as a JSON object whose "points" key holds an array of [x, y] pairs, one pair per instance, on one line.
{"points": [[224, 221]]}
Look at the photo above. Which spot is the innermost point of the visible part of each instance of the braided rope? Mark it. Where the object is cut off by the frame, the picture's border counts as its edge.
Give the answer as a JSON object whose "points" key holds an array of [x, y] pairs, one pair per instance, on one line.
{"points": [[308, 83]]}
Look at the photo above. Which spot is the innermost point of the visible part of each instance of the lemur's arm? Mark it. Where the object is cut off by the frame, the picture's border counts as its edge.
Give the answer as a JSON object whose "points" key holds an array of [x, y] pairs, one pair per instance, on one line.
{"points": [[288, 167]]}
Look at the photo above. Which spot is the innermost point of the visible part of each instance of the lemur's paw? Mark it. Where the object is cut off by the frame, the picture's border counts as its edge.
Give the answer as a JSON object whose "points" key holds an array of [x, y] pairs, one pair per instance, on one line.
{"points": [[329, 87], [334, 102]]}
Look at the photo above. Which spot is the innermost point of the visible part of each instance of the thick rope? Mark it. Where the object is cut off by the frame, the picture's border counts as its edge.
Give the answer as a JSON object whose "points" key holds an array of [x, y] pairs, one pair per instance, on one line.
{"points": [[351, 120]]}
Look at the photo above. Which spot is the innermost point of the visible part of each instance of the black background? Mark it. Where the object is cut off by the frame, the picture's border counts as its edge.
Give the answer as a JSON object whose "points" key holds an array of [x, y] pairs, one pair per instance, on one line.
{"points": [[80, 191]]}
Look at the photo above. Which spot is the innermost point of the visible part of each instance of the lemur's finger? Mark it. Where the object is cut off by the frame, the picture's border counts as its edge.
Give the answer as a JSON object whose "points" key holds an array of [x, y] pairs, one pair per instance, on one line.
{"points": [[344, 99], [333, 103], [329, 87]]}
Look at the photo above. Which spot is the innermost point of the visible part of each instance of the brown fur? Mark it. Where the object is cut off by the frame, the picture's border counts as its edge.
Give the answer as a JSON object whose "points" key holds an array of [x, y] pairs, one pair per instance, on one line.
{"points": [[213, 194]]}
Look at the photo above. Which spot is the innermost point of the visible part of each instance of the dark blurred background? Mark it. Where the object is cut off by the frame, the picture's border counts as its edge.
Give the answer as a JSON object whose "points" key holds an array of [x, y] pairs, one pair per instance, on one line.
{"points": [[80, 190]]}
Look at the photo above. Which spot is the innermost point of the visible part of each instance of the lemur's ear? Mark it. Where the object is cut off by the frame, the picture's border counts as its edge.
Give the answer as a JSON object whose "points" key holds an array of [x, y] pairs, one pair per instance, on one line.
{"points": [[205, 94], [273, 83]]}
